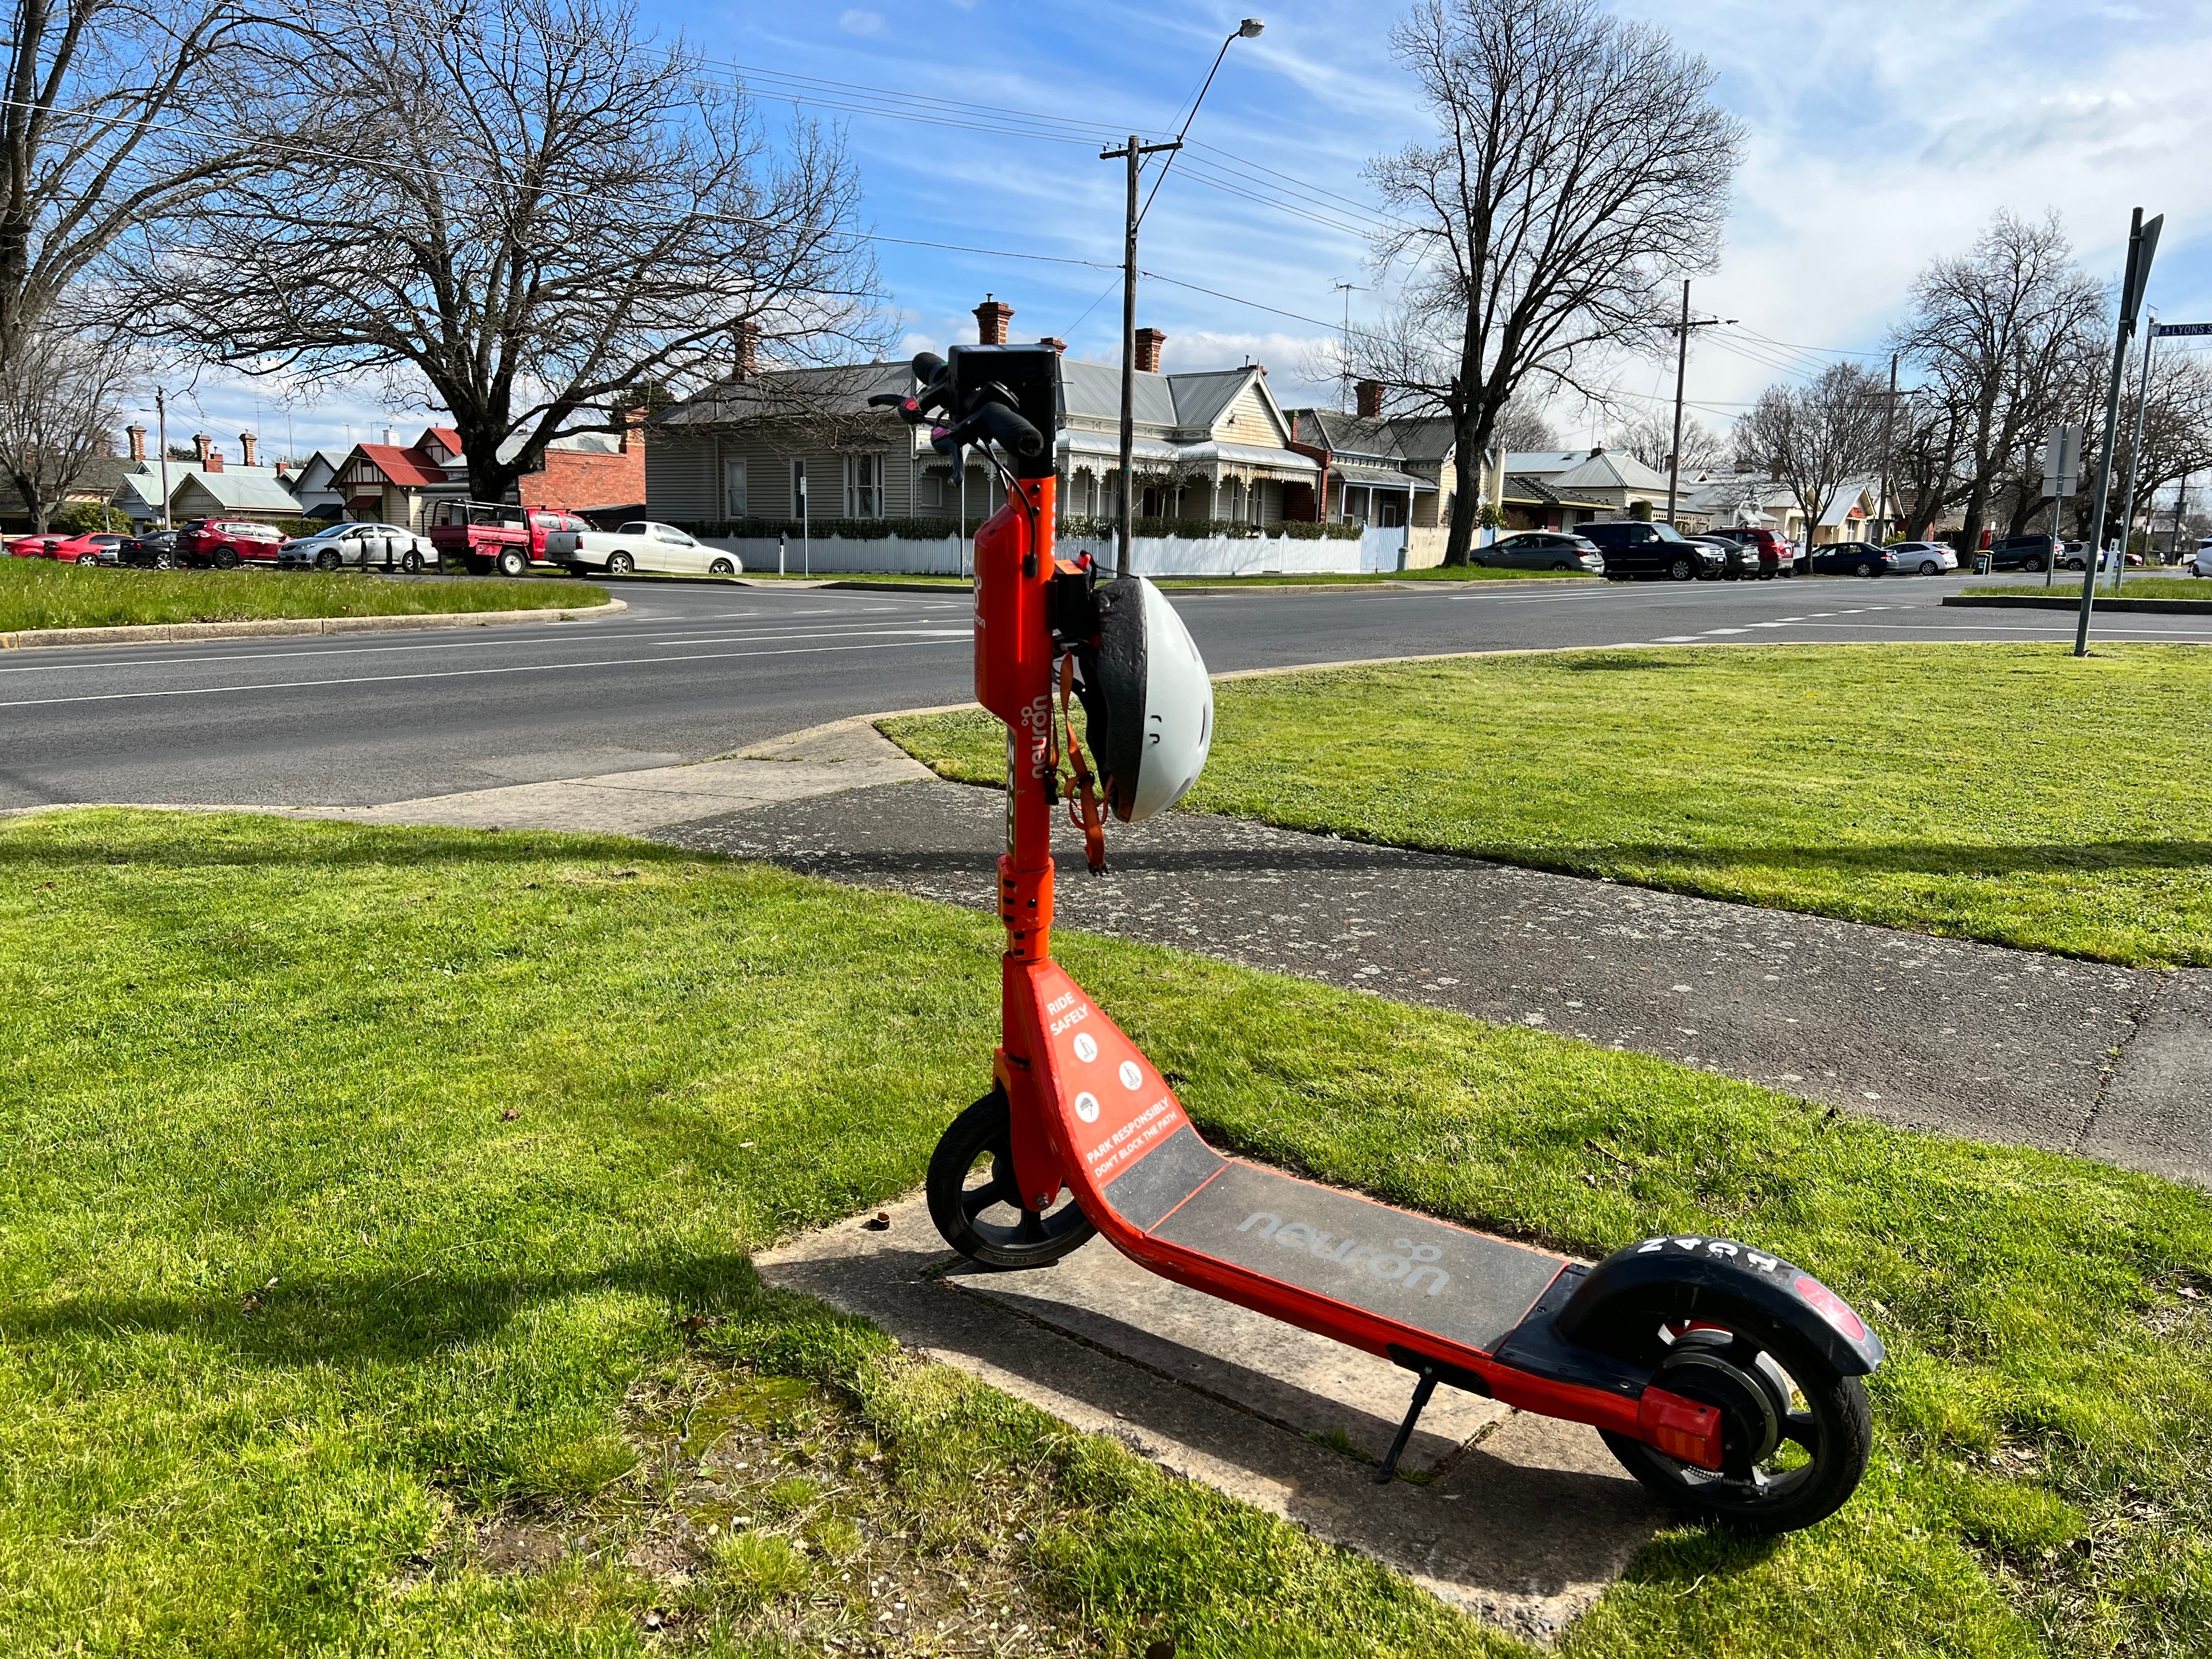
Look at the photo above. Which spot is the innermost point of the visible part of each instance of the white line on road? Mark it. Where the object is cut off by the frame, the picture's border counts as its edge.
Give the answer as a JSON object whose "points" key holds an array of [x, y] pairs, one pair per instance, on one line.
{"points": [[937, 637]]}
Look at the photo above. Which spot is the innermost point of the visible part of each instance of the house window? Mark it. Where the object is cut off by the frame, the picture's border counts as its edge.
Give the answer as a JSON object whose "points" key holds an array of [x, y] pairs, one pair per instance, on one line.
{"points": [[733, 487], [798, 490], [864, 497]]}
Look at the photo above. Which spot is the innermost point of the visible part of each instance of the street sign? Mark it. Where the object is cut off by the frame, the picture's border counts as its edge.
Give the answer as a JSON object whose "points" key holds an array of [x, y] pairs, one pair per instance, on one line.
{"points": [[2062, 460], [2160, 330], [2141, 247]]}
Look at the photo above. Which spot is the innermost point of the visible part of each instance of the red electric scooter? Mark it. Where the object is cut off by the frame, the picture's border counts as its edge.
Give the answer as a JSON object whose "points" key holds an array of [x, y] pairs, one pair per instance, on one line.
{"points": [[1726, 1380]]}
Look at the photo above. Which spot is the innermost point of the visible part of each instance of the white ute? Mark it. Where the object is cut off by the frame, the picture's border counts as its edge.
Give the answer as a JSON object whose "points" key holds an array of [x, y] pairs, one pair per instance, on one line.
{"points": [[644, 546]]}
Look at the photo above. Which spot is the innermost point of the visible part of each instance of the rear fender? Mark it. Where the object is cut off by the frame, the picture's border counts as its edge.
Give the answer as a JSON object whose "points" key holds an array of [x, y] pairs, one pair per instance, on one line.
{"points": [[1619, 1306]]}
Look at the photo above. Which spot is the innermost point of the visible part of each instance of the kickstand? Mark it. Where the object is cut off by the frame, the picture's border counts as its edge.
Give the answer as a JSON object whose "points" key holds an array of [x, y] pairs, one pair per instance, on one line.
{"points": [[1422, 1390]]}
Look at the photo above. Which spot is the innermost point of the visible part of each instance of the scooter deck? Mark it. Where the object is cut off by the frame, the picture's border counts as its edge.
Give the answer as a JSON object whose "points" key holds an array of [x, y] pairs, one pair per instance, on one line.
{"points": [[1368, 1274]]}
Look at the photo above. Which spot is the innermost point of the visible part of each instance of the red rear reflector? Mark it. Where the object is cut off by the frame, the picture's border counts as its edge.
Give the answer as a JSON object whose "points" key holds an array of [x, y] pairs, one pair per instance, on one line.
{"points": [[1837, 1312], [1680, 1428]]}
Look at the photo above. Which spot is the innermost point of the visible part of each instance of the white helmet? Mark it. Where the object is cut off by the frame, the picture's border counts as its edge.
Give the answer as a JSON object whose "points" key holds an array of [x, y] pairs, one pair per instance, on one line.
{"points": [[1159, 701]]}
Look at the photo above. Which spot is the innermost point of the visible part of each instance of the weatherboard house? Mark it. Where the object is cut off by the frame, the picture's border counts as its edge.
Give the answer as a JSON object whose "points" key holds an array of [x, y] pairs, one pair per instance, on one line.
{"points": [[769, 448]]}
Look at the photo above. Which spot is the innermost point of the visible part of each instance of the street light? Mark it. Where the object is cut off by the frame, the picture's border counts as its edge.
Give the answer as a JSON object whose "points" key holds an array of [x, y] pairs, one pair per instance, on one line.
{"points": [[1133, 154]]}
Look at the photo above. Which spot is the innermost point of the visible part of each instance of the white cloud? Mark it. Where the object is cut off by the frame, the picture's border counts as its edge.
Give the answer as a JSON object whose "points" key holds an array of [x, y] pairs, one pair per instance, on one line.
{"points": [[861, 22]]}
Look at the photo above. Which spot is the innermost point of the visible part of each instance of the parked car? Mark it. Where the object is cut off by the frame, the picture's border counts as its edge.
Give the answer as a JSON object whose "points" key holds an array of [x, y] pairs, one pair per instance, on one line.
{"points": [[2201, 565], [1542, 550], [1776, 556], [1854, 559], [644, 546], [385, 547], [1742, 563], [91, 548], [2077, 555], [2024, 552], [1927, 558], [487, 535], [226, 543], [150, 550], [1632, 548]]}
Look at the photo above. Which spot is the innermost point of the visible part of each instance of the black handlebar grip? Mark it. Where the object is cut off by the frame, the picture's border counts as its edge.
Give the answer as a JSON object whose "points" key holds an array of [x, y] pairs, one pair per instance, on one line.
{"points": [[1009, 430], [928, 366]]}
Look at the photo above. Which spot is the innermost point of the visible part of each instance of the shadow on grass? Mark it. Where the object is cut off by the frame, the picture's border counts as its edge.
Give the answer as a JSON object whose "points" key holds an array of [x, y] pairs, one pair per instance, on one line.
{"points": [[386, 1319], [189, 841]]}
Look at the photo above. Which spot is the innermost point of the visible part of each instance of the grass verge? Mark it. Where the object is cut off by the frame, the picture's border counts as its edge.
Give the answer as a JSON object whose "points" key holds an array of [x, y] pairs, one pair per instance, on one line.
{"points": [[373, 1213], [44, 593], [2069, 586], [2011, 794]]}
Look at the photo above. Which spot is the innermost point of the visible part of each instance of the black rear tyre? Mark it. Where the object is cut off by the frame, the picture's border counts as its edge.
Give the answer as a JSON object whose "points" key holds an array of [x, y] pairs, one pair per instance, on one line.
{"points": [[1795, 1433], [1681, 570], [976, 1204]]}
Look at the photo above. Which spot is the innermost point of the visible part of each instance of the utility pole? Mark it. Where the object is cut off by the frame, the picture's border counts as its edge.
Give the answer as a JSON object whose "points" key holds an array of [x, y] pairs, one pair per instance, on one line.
{"points": [[2142, 246], [1344, 375], [161, 437], [1681, 373], [1133, 154], [2134, 460], [1888, 422]]}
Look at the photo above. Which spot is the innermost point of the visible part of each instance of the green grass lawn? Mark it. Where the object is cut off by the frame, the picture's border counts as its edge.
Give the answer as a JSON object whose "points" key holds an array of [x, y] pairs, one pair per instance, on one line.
{"points": [[374, 1206], [2069, 586], [44, 593], [2004, 792]]}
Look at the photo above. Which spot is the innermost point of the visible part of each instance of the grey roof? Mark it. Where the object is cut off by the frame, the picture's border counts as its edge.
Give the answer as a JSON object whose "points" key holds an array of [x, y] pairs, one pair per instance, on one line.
{"points": [[1093, 392], [1388, 437], [1388, 477], [240, 488], [1585, 469]]}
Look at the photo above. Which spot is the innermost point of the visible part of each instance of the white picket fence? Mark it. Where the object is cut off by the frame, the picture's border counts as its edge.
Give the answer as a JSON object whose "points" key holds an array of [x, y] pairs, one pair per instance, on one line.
{"points": [[1153, 555]]}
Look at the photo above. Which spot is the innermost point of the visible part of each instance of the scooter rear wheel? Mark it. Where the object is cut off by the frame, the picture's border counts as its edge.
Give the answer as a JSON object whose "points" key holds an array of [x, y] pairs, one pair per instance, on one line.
{"points": [[1795, 1433], [977, 1203]]}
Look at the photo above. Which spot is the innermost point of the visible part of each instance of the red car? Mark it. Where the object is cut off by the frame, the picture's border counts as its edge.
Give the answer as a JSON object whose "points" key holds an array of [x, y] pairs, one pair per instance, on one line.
{"points": [[1776, 556], [89, 548], [226, 543]]}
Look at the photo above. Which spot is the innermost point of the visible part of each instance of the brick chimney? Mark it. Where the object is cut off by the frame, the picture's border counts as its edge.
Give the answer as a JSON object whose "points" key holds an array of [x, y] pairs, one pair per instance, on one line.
{"points": [[745, 349], [1149, 342], [633, 430], [1369, 394], [137, 437], [991, 319], [1056, 344], [203, 447], [248, 445]]}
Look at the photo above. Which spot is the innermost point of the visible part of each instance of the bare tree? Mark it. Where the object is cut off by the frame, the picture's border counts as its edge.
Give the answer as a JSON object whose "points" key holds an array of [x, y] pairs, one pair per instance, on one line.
{"points": [[1650, 439], [2010, 334], [1579, 168], [1816, 438], [62, 398], [532, 211], [1521, 426], [117, 111]]}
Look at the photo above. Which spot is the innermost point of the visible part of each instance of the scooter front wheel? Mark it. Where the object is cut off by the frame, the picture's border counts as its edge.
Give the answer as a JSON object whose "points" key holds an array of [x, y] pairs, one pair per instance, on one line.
{"points": [[1796, 1434], [977, 1203]]}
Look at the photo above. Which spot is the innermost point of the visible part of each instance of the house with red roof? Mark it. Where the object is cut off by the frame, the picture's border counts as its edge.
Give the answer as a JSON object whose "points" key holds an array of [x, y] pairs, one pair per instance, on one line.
{"points": [[596, 473]]}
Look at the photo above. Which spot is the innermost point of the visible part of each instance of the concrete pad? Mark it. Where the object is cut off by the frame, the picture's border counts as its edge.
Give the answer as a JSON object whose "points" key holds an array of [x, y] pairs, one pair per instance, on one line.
{"points": [[2155, 1113], [1524, 1525], [821, 760]]}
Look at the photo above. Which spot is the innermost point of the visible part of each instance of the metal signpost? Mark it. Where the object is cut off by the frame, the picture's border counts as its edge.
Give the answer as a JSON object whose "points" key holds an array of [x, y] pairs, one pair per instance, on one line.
{"points": [[2062, 476], [2142, 246]]}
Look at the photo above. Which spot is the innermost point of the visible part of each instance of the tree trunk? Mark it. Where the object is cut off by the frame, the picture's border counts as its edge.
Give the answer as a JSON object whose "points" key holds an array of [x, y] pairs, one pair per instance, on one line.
{"points": [[1466, 494]]}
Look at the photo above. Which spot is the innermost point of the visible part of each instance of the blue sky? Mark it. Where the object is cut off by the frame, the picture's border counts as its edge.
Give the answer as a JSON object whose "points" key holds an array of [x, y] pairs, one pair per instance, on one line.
{"points": [[1880, 135]]}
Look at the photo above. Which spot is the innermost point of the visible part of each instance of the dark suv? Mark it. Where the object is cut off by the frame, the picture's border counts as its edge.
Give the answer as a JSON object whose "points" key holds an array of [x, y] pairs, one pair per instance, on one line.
{"points": [[1632, 548], [2023, 553]]}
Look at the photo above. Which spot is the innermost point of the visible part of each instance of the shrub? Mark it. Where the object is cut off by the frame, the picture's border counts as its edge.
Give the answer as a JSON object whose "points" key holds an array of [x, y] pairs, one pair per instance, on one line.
{"points": [[1640, 512]]}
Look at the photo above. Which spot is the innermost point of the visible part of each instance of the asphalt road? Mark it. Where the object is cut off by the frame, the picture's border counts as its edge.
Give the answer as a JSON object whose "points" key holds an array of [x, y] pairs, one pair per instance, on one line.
{"points": [[695, 671]]}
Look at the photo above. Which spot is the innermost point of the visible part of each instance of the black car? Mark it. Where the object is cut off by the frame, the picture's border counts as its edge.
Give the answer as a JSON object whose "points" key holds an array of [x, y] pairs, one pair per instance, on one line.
{"points": [[1634, 548], [1742, 562], [153, 550], [1854, 559], [1541, 549], [2024, 552]]}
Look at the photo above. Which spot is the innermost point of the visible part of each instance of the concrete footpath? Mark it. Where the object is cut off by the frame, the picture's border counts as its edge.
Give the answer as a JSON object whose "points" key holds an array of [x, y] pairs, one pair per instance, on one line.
{"points": [[1977, 1039]]}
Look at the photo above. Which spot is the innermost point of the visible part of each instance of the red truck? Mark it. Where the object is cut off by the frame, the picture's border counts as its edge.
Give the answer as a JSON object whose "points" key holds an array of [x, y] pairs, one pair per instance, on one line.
{"points": [[513, 540]]}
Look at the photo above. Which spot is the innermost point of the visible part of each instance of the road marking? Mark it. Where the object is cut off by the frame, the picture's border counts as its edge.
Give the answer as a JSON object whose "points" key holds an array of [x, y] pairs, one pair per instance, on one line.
{"points": [[943, 636]]}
